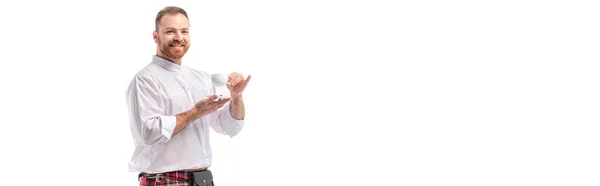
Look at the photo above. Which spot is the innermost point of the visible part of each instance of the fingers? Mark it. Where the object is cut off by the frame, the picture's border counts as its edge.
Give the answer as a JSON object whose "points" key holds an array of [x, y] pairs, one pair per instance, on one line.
{"points": [[222, 102], [243, 85], [214, 100], [239, 82], [210, 104], [210, 98], [215, 105], [234, 78], [234, 81], [247, 79], [206, 101]]}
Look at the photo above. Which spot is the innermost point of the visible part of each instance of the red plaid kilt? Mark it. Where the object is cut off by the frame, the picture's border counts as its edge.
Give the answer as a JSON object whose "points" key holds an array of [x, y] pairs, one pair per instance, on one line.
{"points": [[175, 178]]}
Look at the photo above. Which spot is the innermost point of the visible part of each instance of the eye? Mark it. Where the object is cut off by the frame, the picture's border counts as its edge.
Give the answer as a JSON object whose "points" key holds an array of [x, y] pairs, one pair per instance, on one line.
{"points": [[185, 31], [169, 32]]}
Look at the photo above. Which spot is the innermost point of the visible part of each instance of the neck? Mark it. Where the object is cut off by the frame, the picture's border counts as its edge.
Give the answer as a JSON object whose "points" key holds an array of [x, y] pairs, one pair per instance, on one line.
{"points": [[176, 61]]}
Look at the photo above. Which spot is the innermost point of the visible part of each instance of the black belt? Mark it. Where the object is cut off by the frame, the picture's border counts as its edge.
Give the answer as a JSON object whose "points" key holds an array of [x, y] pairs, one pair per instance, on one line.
{"points": [[196, 178]]}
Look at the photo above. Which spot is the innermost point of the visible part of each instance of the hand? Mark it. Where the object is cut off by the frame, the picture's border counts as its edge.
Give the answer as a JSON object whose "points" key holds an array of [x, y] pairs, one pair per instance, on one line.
{"points": [[236, 84], [209, 105]]}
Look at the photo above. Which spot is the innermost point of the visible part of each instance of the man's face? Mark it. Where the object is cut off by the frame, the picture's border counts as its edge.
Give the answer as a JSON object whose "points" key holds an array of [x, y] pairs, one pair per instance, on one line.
{"points": [[172, 37]]}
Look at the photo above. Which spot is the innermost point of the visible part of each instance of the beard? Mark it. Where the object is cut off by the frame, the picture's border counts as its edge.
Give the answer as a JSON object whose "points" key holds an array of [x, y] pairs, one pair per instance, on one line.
{"points": [[173, 49]]}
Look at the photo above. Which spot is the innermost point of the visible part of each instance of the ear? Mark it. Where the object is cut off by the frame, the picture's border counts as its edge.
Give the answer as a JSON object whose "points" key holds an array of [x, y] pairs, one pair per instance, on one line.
{"points": [[155, 36]]}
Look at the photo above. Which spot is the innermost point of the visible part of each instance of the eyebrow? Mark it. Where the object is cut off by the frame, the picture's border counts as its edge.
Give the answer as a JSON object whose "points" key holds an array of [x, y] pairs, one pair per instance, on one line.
{"points": [[171, 28]]}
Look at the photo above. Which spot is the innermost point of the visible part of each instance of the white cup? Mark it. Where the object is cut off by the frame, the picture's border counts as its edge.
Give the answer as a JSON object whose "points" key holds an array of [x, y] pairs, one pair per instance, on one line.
{"points": [[219, 79]]}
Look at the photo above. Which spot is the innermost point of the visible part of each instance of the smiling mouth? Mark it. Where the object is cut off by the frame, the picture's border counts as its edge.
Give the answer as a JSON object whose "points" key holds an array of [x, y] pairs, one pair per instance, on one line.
{"points": [[171, 45]]}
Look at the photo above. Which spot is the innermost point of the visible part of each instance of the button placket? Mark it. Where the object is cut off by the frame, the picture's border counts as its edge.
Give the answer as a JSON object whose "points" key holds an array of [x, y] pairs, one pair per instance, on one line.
{"points": [[186, 88]]}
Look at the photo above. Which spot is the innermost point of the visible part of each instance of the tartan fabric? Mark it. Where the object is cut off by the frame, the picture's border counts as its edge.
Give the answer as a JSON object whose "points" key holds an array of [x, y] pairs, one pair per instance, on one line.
{"points": [[175, 178]]}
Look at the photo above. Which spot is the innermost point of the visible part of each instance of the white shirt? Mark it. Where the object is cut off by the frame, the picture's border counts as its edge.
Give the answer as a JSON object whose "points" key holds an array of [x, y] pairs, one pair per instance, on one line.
{"points": [[156, 94]]}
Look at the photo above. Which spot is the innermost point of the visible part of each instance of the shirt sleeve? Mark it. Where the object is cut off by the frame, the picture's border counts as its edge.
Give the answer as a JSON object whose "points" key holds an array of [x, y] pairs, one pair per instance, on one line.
{"points": [[146, 108], [223, 123]]}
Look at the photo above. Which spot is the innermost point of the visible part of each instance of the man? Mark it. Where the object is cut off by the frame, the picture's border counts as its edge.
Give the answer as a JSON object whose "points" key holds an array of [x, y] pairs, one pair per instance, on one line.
{"points": [[172, 107]]}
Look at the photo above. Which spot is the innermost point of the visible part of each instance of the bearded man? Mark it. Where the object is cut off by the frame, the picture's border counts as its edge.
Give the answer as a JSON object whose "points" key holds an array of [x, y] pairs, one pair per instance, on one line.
{"points": [[172, 106]]}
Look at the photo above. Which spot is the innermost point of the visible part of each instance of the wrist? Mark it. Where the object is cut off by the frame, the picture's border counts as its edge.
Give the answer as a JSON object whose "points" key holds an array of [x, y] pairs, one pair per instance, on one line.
{"points": [[192, 114], [236, 97], [237, 100]]}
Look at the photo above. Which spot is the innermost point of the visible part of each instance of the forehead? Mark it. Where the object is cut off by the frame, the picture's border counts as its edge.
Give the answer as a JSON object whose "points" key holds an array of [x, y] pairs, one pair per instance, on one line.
{"points": [[174, 21]]}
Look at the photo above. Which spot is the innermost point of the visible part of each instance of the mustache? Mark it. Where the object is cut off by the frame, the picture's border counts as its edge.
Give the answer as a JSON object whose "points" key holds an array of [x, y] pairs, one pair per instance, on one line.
{"points": [[178, 42]]}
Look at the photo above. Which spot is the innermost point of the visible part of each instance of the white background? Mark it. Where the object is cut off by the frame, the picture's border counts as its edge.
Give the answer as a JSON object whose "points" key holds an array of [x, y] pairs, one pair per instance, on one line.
{"points": [[343, 92]]}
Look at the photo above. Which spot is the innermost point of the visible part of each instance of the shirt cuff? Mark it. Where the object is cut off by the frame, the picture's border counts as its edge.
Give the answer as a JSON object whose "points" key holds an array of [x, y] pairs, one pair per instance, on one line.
{"points": [[168, 125], [231, 125]]}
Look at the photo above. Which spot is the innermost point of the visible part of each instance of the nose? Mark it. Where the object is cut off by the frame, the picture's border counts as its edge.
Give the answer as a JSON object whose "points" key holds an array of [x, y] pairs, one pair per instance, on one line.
{"points": [[178, 37]]}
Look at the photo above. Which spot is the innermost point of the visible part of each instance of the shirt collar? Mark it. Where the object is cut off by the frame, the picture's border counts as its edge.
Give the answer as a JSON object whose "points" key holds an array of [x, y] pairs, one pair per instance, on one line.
{"points": [[166, 64]]}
